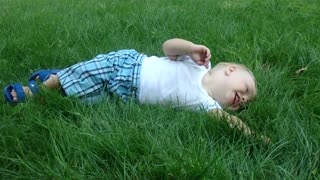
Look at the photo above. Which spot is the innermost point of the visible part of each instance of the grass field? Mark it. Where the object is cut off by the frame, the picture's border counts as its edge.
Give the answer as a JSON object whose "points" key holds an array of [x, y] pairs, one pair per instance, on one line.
{"points": [[61, 138]]}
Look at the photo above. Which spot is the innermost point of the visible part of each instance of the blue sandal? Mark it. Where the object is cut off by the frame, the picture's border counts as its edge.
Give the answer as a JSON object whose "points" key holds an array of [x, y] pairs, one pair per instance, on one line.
{"points": [[21, 95], [19, 90], [43, 76]]}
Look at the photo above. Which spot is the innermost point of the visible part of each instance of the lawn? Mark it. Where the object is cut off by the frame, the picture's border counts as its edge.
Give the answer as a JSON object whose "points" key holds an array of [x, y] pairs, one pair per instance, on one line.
{"points": [[59, 138]]}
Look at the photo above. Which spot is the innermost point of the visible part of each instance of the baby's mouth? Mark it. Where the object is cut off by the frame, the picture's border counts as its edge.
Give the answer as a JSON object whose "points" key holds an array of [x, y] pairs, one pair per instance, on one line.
{"points": [[235, 101]]}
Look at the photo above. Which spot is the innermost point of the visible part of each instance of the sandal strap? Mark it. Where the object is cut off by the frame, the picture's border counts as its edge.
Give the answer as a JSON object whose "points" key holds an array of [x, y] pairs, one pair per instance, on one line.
{"points": [[43, 74], [33, 87]]}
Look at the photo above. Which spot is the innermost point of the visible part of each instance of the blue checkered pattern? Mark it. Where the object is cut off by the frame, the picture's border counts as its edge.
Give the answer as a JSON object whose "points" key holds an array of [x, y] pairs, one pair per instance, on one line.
{"points": [[115, 73]]}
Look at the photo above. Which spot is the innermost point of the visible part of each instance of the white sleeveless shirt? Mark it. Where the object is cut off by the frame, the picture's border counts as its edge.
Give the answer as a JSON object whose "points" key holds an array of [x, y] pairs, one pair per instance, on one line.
{"points": [[175, 83]]}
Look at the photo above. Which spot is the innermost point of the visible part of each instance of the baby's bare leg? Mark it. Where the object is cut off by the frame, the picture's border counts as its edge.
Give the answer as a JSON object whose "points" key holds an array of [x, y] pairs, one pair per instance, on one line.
{"points": [[52, 82]]}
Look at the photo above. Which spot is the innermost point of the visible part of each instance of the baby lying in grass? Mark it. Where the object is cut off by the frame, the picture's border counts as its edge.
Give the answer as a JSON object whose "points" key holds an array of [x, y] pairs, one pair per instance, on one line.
{"points": [[183, 79]]}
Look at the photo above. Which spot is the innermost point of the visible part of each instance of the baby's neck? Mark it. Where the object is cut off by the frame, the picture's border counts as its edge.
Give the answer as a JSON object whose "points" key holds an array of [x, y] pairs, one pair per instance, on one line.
{"points": [[207, 83]]}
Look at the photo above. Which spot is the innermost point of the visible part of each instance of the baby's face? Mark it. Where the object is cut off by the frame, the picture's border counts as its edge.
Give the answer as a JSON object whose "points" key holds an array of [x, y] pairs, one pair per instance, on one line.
{"points": [[236, 88]]}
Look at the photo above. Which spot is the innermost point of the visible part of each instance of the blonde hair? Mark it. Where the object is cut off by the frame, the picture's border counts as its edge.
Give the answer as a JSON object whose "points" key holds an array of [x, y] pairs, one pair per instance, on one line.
{"points": [[240, 66]]}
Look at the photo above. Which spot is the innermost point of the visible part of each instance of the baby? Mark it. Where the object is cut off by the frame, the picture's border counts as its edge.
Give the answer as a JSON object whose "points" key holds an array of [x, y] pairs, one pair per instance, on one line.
{"points": [[182, 79]]}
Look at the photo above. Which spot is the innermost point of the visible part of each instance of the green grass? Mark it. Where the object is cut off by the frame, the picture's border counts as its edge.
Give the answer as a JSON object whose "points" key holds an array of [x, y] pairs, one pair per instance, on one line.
{"points": [[58, 137]]}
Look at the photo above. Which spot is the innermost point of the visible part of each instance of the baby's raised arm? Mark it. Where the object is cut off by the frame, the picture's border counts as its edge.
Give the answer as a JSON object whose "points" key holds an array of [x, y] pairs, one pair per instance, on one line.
{"points": [[200, 54]]}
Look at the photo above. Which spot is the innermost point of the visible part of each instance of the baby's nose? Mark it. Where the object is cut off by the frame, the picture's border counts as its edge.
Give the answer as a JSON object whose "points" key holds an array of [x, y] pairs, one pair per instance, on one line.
{"points": [[243, 99]]}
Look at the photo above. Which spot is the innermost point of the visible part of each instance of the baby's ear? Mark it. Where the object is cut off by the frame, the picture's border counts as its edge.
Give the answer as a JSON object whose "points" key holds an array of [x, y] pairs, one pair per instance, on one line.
{"points": [[229, 69]]}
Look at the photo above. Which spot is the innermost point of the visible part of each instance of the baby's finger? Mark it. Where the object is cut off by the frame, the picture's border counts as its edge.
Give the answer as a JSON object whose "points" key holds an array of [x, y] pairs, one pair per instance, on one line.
{"points": [[207, 54], [206, 65], [204, 61]]}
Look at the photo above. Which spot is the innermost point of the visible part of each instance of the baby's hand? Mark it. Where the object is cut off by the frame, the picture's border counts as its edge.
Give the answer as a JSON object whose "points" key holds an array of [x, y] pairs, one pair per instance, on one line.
{"points": [[200, 55]]}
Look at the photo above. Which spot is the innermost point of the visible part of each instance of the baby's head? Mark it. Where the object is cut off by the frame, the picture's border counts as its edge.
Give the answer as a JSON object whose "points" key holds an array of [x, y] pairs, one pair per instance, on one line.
{"points": [[234, 85]]}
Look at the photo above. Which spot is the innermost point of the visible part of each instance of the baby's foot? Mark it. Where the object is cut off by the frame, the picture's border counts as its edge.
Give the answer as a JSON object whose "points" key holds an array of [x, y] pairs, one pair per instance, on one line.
{"points": [[26, 90], [16, 93]]}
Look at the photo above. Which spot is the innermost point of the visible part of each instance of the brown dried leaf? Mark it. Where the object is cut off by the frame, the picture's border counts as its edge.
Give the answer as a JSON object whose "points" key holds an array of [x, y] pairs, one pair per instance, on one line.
{"points": [[299, 71]]}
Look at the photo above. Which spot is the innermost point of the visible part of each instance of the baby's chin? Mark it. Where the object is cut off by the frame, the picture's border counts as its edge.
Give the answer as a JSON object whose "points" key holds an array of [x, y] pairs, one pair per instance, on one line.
{"points": [[233, 108]]}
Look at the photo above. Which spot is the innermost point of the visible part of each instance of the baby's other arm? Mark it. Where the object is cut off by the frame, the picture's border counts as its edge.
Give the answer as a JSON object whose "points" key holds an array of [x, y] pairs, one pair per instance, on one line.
{"points": [[200, 54], [235, 122]]}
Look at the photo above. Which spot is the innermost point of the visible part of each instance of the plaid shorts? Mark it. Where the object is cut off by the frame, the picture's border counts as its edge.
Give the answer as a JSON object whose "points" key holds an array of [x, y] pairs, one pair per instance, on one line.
{"points": [[115, 73]]}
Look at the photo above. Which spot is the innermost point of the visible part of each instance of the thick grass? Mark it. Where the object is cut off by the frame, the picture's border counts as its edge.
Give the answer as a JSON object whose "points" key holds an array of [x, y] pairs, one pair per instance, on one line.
{"points": [[58, 137]]}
